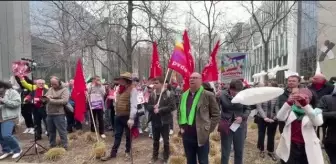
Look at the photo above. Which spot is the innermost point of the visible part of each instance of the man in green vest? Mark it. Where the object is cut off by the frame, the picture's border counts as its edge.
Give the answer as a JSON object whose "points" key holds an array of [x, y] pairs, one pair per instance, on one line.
{"points": [[198, 116]]}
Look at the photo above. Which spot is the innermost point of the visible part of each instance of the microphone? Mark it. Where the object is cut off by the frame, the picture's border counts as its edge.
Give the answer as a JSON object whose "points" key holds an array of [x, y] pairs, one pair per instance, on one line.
{"points": [[26, 59]]}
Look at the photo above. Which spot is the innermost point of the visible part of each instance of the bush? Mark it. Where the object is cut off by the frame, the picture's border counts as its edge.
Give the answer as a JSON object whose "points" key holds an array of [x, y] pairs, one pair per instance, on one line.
{"points": [[54, 154]]}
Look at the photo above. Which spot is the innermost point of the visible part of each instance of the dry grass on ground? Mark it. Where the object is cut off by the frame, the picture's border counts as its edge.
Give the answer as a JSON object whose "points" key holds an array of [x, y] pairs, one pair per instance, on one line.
{"points": [[81, 149]]}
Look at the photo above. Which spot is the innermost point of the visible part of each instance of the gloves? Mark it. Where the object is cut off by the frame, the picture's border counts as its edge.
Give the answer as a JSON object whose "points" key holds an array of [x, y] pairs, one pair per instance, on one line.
{"points": [[302, 101]]}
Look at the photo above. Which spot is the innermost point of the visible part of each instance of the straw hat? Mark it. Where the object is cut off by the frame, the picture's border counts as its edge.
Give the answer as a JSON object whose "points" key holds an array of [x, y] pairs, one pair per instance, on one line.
{"points": [[126, 76]]}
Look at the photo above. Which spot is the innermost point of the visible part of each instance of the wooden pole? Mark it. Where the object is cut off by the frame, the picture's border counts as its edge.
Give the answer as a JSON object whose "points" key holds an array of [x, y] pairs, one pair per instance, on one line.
{"points": [[92, 118], [162, 89]]}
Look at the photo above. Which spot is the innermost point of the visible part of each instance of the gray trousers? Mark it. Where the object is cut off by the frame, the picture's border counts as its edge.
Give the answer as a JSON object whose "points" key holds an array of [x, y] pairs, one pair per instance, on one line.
{"points": [[238, 139], [57, 122]]}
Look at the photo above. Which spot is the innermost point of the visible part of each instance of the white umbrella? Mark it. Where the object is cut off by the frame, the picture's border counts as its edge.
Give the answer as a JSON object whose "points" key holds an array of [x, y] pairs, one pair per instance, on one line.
{"points": [[252, 96]]}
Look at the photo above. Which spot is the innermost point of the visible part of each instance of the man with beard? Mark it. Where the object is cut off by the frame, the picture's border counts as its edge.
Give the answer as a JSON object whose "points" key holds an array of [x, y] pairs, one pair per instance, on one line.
{"points": [[293, 83], [320, 87]]}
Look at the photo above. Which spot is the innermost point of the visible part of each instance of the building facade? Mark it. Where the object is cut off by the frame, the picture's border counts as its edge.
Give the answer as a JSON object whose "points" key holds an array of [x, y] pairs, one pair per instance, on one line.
{"points": [[14, 35], [307, 38], [326, 31], [293, 44]]}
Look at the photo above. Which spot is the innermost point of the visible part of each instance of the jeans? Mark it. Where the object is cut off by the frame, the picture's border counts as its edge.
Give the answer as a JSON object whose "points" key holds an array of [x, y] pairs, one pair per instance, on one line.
{"points": [[121, 125], [72, 123], [149, 124], [159, 131], [112, 116], [40, 114], [194, 152], [297, 155], [8, 142], [238, 139], [57, 122], [27, 114], [271, 130], [98, 114], [331, 151]]}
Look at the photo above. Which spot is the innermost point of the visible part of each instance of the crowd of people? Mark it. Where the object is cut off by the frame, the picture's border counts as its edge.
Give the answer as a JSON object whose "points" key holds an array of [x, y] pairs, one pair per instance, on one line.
{"points": [[298, 113]]}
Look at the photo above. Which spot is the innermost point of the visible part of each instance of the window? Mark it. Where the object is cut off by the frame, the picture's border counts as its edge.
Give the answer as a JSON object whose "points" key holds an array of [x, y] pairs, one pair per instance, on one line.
{"points": [[285, 59]]}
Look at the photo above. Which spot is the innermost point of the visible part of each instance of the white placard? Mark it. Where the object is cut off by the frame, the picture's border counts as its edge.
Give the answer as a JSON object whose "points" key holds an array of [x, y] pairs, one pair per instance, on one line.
{"points": [[234, 126]]}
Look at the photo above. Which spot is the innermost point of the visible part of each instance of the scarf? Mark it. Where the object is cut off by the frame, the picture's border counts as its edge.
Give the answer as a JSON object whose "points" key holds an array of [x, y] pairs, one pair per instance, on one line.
{"points": [[298, 112], [122, 89], [183, 107]]}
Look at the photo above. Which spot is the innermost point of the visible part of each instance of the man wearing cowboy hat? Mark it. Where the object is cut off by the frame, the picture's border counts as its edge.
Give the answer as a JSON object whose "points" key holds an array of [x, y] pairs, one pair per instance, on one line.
{"points": [[125, 113]]}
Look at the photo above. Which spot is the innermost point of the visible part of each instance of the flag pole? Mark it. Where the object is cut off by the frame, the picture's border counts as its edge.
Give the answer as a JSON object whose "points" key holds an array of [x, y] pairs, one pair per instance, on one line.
{"points": [[92, 118], [162, 89]]}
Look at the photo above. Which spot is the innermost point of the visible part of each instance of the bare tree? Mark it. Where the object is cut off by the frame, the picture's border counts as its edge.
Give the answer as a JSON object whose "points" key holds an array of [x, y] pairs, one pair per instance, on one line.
{"points": [[266, 18], [131, 29], [212, 14], [58, 28]]}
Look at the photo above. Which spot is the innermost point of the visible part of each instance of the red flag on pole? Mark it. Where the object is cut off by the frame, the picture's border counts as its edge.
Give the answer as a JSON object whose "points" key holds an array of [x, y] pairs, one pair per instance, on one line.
{"points": [[155, 70], [187, 52], [189, 59], [210, 71], [178, 62], [78, 92]]}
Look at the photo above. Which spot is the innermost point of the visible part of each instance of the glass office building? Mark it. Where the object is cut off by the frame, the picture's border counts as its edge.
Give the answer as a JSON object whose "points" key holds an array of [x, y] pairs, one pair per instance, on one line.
{"points": [[307, 38]]}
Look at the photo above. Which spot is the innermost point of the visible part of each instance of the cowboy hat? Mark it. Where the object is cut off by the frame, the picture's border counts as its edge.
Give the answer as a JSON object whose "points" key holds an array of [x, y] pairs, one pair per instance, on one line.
{"points": [[126, 76]]}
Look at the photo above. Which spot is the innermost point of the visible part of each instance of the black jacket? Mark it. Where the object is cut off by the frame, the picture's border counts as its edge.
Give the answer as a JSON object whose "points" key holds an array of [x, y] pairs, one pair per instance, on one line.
{"points": [[230, 111], [328, 105], [327, 89], [166, 106]]}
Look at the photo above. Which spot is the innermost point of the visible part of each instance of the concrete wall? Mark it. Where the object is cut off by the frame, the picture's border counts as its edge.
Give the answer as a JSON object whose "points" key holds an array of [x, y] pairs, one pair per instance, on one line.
{"points": [[14, 34], [327, 31]]}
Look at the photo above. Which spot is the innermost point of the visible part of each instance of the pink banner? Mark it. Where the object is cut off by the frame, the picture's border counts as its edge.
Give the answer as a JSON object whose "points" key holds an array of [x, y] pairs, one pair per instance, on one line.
{"points": [[20, 68]]}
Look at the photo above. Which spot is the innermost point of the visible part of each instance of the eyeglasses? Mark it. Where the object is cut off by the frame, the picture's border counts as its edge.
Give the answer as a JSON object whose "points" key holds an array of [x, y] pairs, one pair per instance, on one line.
{"points": [[194, 78]]}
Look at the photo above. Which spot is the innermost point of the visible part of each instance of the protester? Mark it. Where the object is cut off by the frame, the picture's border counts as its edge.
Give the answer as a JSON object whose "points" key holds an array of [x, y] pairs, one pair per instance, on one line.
{"points": [[233, 114], [39, 111], [160, 115], [321, 87], [110, 105], [266, 117], [149, 91], [171, 126], [140, 107], [71, 122], [293, 83], [96, 94], [328, 106], [205, 117], [10, 106], [56, 98], [26, 108], [298, 142], [125, 110]]}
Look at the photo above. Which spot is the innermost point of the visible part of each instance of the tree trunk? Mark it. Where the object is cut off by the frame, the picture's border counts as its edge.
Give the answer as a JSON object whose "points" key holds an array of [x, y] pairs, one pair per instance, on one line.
{"points": [[129, 59], [266, 47]]}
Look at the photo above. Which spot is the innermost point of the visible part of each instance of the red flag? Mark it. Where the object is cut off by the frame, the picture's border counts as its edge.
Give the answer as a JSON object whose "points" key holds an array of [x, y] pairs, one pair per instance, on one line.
{"points": [[186, 84], [177, 61], [210, 71], [187, 52], [155, 70], [78, 92]]}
